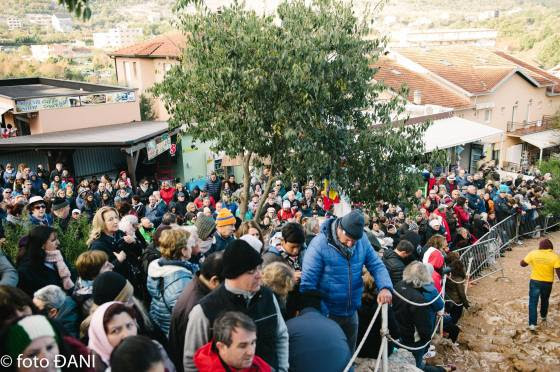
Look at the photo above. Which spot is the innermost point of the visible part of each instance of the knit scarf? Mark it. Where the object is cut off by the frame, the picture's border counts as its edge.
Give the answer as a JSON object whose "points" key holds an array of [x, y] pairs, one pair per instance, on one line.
{"points": [[56, 258]]}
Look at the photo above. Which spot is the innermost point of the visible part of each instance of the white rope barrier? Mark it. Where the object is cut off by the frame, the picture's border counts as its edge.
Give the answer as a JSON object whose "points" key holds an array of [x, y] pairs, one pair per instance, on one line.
{"points": [[410, 348], [368, 330], [440, 295]]}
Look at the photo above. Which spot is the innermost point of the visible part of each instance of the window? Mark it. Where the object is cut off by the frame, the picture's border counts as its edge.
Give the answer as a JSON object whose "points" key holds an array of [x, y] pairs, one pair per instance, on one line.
{"points": [[487, 115], [127, 73], [167, 66], [134, 69]]}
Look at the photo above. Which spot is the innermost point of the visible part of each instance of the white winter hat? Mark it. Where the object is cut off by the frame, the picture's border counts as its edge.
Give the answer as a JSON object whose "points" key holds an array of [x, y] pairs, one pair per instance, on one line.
{"points": [[253, 242]]}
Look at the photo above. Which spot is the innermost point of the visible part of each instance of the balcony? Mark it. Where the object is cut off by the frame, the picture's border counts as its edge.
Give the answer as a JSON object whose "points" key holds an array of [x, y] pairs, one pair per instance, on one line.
{"points": [[527, 127]]}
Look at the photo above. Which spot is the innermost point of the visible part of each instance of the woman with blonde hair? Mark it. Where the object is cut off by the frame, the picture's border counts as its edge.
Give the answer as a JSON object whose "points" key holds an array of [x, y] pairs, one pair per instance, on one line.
{"points": [[169, 275], [106, 236], [280, 279]]}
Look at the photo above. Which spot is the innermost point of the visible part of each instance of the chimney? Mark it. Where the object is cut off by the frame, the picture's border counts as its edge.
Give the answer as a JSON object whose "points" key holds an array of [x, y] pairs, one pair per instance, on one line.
{"points": [[417, 97]]}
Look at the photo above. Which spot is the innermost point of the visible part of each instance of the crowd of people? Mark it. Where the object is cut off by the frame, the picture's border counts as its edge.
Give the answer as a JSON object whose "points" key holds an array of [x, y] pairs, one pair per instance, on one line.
{"points": [[175, 279]]}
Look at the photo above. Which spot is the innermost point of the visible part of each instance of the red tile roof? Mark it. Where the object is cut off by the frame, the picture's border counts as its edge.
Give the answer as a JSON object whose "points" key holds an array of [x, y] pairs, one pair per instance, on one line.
{"points": [[474, 69], [168, 45], [433, 92], [543, 77]]}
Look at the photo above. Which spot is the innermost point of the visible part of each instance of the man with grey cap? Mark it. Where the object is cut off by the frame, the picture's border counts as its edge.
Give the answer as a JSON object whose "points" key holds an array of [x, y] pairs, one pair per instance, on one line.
{"points": [[61, 212], [333, 265]]}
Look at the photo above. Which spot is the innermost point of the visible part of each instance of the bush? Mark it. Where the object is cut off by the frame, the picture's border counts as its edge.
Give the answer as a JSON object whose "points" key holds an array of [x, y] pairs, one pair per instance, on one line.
{"points": [[72, 241]]}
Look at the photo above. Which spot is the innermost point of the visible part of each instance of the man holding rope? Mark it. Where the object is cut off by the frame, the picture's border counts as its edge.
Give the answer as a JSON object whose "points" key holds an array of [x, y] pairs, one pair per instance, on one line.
{"points": [[333, 265], [544, 261]]}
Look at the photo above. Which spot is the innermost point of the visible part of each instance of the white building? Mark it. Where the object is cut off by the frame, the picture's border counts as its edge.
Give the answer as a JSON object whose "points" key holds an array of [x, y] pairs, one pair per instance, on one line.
{"points": [[116, 38], [40, 52], [14, 22], [42, 20], [61, 22], [411, 38]]}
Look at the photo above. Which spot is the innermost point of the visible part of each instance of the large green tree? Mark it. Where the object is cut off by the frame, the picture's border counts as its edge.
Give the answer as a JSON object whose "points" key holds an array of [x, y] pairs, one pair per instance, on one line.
{"points": [[296, 90]]}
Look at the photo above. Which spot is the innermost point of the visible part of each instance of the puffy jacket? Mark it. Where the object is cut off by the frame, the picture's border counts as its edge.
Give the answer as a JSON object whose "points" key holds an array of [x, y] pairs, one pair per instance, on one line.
{"points": [[167, 194], [476, 203], [166, 281], [327, 269], [214, 189], [435, 258], [394, 264]]}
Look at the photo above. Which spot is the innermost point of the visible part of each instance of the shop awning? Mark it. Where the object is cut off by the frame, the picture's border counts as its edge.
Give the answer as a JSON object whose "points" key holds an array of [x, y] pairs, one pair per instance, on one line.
{"points": [[543, 140], [118, 135], [455, 131], [4, 108]]}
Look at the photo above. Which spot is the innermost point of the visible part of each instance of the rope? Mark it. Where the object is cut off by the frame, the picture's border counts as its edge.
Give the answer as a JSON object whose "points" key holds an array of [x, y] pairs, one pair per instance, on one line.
{"points": [[440, 295], [454, 303], [349, 365], [419, 347], [456, 282]]}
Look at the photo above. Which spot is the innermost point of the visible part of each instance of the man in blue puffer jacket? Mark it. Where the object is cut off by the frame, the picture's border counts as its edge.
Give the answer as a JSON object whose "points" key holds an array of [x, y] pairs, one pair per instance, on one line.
{"points": [[333, 265]]}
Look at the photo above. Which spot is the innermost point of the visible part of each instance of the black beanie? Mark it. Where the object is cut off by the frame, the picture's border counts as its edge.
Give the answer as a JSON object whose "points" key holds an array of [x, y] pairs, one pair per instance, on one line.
{"points": [[107, 286], [239, 257], [353, 224]]}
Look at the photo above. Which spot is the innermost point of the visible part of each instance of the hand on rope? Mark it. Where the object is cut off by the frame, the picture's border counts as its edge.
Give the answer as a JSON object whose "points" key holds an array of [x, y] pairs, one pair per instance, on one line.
{"points": [[440, 295]]}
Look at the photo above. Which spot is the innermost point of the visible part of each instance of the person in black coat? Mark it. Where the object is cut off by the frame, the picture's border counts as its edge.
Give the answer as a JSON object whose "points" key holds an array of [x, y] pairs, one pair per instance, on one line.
{"points": [[415, 322], [396, 260], [106, 236], [144, 191], [40, 263]]}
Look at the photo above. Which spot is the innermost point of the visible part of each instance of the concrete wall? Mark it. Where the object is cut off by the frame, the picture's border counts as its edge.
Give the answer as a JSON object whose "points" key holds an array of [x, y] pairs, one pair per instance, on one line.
{"points": [[148, 72], [532, 104], [55, 120]]}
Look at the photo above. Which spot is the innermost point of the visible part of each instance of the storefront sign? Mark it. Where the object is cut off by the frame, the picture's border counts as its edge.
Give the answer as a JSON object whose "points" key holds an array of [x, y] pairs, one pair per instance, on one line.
{"points": [[158, 145], [36, 104], [45, 103]]}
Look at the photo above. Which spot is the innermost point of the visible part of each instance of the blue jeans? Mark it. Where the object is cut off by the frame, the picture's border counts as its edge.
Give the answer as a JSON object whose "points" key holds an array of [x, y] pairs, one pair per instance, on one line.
{"points": [[538, 289], [349, 325]]}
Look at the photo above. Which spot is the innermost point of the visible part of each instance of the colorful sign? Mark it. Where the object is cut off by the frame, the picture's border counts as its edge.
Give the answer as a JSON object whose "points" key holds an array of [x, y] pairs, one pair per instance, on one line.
{"points": [[173, 149], [158, 145], [45, 103], [36, 104]]}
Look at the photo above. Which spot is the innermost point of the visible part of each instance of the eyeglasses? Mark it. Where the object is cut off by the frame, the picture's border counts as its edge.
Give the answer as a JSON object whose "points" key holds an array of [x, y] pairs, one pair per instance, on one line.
{"points": [[42, 206]]}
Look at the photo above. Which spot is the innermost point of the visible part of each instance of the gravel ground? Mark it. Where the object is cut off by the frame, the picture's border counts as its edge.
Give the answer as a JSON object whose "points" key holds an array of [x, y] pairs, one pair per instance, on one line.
{"points": [[495, 335]]}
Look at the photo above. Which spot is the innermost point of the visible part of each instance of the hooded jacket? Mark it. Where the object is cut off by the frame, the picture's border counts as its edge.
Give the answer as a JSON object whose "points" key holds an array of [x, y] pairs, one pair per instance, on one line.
{"points": [[337, 273], [166, 281], [207, 359]]}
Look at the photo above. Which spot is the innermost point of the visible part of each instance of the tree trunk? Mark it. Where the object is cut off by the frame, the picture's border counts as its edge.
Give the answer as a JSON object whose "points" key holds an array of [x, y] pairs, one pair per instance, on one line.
{"points": [[266, 190], [246, 185]]}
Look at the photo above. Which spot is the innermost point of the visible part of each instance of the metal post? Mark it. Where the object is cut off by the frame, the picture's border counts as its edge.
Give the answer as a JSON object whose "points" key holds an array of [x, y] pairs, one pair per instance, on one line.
{"points": [[468, 277], [385, 330]]}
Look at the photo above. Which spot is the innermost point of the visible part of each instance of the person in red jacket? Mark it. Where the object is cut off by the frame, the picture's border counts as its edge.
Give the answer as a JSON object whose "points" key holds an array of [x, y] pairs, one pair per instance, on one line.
{"points": [[167, 193], [463, 217], [286, 213], [233, 347]]}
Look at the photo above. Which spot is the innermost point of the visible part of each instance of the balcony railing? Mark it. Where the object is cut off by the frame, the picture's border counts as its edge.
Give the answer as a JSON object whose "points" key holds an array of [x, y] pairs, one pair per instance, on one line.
{"points": [[526, 127]]}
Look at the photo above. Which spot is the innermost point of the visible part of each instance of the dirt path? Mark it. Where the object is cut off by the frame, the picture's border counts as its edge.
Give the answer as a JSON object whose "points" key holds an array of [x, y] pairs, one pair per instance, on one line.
{"points": [[495, 335]]}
